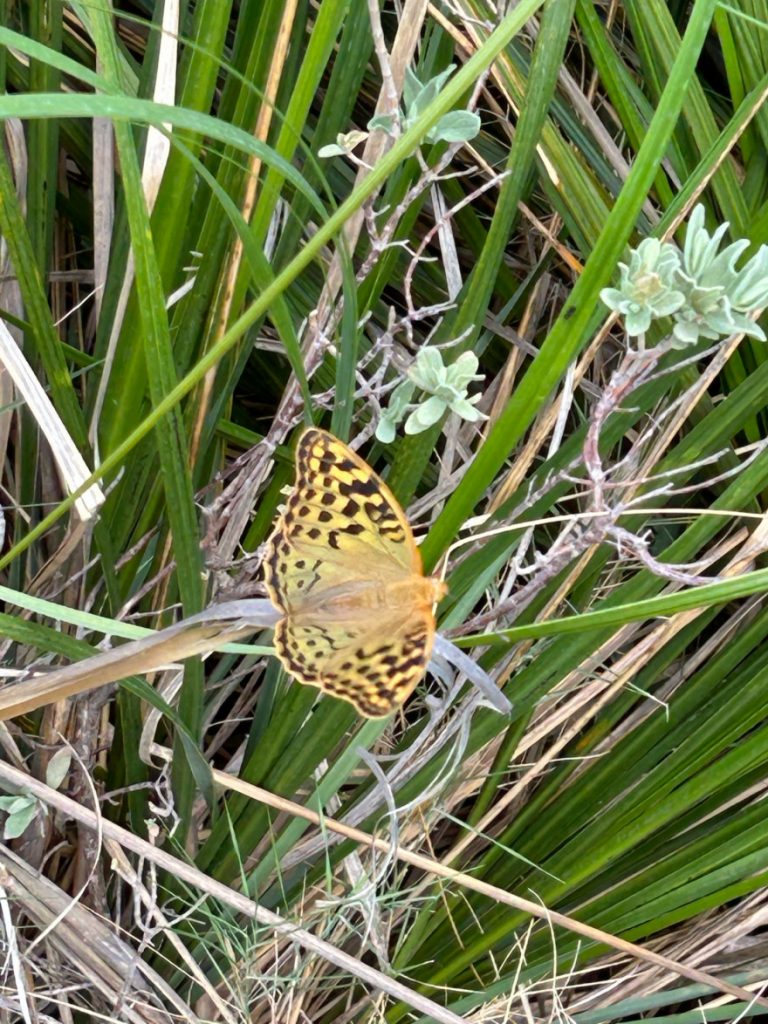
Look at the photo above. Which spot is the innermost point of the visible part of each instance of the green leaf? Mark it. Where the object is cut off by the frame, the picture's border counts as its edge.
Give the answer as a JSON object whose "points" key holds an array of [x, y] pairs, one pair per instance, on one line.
{"points": [[58, 767], [19, 820], [456, 126]]}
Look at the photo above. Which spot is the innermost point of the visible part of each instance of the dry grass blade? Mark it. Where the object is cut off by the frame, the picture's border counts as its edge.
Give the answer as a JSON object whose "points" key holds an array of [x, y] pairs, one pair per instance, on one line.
{"points": [[87, 943], [72, 465], [196, 635]]}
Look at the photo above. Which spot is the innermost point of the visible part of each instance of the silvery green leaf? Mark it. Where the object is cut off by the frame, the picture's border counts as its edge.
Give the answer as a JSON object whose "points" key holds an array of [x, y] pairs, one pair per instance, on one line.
{"points": [[703, 300], [706, 331], [728, 321], [674, 342], [428, 371], [700, 303], [612, 298], [431, 411], [331, 150], [401, 396], [721, 319], [669, 261], [58, 766], [422, 97], [382, 123], [396, 409], [703, 250], [648, 251], [467, 410], [385, 430], [685, 333], [651, 265], [16, 824], [649, 286], [750, 290], [411, 87], [455, 126], [721, 269], [700, 247], [349, 140], [667, 303], [450, 394], [696, 220], [463, 370], [696, 238], [700, 256], [746, 325], [11, 804], [689, 327], [637, 320], [425, 416]]}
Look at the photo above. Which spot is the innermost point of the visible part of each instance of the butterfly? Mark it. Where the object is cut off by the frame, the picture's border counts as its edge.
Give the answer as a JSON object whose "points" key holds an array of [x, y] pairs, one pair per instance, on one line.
{"points": [[343, 568]]}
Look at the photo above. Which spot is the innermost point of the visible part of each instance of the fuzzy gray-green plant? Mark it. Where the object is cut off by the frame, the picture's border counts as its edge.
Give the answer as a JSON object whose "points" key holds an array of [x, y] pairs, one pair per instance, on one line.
{"points": [[701, 288], [446, 388]]}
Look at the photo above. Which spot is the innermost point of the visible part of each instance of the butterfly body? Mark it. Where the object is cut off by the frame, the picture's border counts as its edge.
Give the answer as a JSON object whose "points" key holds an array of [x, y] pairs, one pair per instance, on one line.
{"points": [[343, 568], [375, 595]]}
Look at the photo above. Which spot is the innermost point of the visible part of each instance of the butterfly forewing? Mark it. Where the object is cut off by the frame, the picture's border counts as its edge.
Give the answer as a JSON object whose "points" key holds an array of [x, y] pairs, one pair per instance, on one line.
{"points": [[340, 522], [343, 567]]}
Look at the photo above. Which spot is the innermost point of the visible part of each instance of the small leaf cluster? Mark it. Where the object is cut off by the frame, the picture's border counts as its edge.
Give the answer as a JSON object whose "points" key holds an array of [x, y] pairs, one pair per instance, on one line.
{"points": [[22, 808], [446, 386], [699, 287], [455, 126]]}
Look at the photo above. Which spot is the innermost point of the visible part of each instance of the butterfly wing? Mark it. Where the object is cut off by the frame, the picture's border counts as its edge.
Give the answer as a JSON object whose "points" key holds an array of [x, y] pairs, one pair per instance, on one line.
{"points": [[374, 663], [340, 524]]}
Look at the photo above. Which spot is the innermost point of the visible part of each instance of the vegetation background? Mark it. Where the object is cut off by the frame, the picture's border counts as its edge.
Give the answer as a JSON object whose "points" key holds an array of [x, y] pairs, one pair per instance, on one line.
{"points": [[190, 280]]}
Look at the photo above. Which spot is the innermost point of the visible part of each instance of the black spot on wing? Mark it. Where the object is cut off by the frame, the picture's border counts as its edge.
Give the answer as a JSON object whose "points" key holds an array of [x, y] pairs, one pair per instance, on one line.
{"points": [[360, 487], [351, 509]]}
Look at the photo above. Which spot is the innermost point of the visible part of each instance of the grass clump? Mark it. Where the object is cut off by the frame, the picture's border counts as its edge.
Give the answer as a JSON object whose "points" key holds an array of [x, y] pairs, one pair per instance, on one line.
{"points": [[516, 260]]}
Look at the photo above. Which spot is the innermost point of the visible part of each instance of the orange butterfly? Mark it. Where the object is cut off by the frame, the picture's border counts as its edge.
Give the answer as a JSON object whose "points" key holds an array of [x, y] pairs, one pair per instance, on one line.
{"points": [[344, 569]]}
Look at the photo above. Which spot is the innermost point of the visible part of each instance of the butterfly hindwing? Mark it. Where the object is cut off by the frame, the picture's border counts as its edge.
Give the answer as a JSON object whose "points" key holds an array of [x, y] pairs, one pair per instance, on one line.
{"points": [[373, 664]]}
